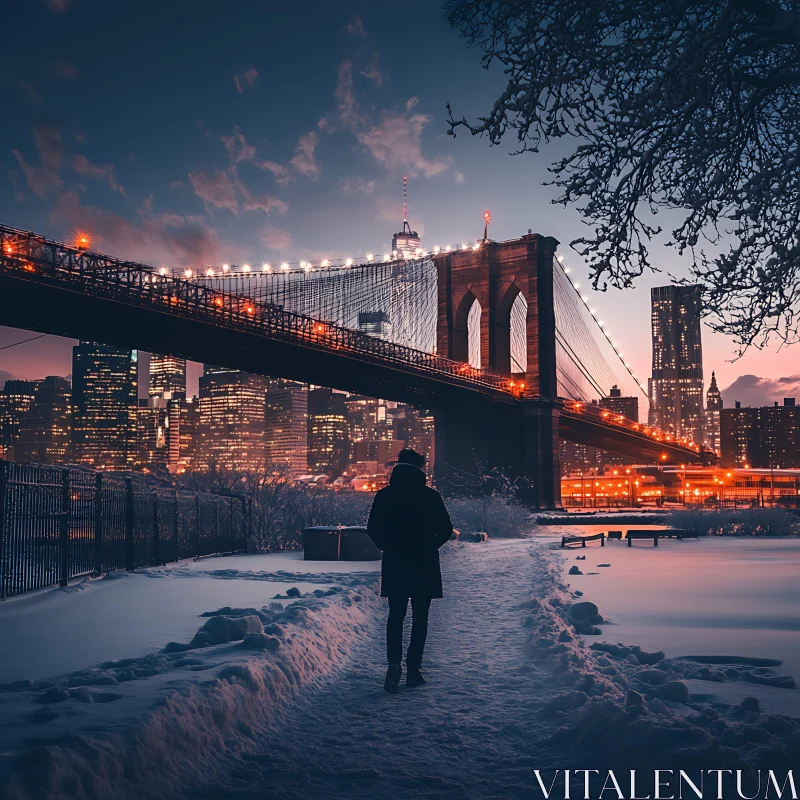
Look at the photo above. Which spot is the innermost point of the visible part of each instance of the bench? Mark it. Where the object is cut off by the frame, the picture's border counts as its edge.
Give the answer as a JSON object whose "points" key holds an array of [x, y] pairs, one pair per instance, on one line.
{"points": [[644, 535], [615, 535], [566, 541]]}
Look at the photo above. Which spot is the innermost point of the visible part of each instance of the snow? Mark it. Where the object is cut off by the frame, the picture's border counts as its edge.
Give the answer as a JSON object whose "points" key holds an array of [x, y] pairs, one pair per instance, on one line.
{"points": [[298, 711], [708, 596]]}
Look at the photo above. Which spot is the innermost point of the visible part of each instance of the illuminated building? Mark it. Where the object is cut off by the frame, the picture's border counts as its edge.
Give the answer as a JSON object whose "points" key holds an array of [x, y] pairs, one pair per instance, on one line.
{"points": [[167, 377], [286, 417], [617, 404], [183, 417], [104, 405], [407, 242], [232, 427], [16, 399], [45, 429], [328, 438], [766, 437], [713, 409], [676, 389], [152, 433]]}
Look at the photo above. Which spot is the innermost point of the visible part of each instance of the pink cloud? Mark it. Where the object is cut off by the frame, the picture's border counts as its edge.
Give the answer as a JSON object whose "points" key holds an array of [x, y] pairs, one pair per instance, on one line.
{"points": [[304, 160], [63, 69], [249, 78], [356, 27], [372, 72], [357, 186], [217, 189], [275, 238], [157, 239], [237, 147], [266, 202], [46, 177], [102, 172]]}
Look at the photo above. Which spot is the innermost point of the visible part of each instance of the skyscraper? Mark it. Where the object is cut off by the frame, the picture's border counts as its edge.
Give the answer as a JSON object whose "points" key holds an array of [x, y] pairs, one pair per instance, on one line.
{"points": [[766, 437], [16, 399], [232, 427], [286, 417], [328, 439], [713, 409], [104, 402], [167, 377], [676, 399], [45, 429], [617, 404]]}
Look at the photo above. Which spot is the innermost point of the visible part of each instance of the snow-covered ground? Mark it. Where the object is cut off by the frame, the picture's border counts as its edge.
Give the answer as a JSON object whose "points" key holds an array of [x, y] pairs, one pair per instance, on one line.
{"points": [[517, 680], [713, 596]]}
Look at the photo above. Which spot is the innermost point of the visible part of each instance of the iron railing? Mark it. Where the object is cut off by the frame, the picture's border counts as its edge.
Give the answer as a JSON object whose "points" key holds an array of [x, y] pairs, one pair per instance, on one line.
{"points": [[38, 259], [60, 523]]}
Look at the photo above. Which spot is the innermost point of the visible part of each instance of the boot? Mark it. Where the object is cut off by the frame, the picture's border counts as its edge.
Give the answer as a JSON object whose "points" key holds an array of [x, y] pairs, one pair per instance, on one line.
{"points": [[392, 678], [414, 677]]}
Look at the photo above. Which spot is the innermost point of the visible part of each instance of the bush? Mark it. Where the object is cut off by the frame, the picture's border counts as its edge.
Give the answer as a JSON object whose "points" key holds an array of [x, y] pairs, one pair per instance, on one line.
{"points": [[497, 516], [744, 522]]}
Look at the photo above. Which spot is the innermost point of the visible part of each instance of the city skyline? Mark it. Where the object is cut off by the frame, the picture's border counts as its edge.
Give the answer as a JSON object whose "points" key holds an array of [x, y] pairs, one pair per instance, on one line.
{"points": [[232, 176]]}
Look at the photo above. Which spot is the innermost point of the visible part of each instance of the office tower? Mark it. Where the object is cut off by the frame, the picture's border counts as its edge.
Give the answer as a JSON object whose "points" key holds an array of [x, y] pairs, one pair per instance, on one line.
{"points": [[617, 404], [406, 243], [167, 377], [16, 398], [286, 417], [104, 404], [232, 414], [677, 386], [713, 409], [45, 429], [183, 439], [152, 433], [328, 439], [766, 437]]}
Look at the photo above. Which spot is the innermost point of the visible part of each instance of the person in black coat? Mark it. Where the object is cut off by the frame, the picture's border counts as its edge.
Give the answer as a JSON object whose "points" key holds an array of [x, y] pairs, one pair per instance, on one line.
{"points": [[409, 523]]}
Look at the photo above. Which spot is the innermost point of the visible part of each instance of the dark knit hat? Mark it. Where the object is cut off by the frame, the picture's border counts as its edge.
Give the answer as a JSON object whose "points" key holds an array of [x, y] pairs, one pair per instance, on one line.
{"points": [[409, 456]]}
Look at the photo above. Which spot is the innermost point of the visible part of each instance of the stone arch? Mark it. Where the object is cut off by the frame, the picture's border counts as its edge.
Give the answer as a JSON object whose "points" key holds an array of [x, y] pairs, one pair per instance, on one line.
{"points": [[465, 330], [511, 332]]}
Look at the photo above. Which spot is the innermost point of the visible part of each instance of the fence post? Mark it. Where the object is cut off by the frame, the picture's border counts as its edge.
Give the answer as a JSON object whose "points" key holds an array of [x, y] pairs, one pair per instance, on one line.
{"points": [[63, 530], [247, 522], [197, 525], [3, 502], [231, 528], [156, 532], [99, 561], [216, 526], [175, 525], [130, 553]]}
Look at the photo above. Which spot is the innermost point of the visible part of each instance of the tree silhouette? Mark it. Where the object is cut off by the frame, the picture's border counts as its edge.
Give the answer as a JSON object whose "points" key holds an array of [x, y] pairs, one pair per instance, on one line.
{"points": [[687, 106]]}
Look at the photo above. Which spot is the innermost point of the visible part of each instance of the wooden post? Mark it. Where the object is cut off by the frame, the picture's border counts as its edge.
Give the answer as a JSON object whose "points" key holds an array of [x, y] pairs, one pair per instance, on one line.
{"points": [[156, 532], [175, 528], [64, 525], [3, 502], [216, 525], [197, 525], [655, 541], [130, 552], [602, 540], [99, 560]]}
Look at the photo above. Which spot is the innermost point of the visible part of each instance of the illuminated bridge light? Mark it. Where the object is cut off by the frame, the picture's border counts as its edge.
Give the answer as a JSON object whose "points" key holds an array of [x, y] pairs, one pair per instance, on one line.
{"points": [[325, 262], [577, 286], [370, 257], [83, 241], [387, 257], [266, 268], [349, 262], [246, 268], [225, 267], [162, 271], [284, 266], [188, 273], [210, 273], [436, 250], [447, 248]]}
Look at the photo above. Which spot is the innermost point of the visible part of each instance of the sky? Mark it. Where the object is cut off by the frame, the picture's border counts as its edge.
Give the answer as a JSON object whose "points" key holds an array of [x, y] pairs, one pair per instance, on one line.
{"points": [[189, 133]]}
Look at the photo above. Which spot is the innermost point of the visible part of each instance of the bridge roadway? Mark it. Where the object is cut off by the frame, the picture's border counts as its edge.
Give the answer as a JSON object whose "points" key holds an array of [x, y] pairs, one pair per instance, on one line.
{"points": [[53, 288]]}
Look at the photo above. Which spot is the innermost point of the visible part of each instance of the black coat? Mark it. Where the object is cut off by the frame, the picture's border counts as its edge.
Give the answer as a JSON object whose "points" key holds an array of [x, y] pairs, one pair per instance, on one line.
{"points": [[409, 523]]}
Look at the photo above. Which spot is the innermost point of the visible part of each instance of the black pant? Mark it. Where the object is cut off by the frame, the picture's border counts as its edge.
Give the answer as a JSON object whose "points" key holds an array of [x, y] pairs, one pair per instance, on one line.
{"points": [[419, 629]]}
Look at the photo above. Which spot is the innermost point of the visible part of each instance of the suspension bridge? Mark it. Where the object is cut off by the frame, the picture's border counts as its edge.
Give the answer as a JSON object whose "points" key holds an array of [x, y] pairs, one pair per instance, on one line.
{"points": [[494, 337]]}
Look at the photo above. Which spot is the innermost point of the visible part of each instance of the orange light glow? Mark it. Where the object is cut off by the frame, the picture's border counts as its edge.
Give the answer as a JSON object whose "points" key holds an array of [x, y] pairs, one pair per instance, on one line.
{"points": [[82, 240], [218, 302]]}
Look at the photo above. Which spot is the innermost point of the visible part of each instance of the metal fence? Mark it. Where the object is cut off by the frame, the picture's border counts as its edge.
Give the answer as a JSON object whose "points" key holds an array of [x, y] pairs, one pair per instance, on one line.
{"points": [[59, 523]]}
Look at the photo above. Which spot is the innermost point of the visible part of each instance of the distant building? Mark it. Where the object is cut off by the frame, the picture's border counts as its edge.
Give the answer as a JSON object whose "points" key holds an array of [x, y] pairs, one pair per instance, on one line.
{"points": [[713, 409], [232, 426], [45, 429], [152, 433], [167, 377], [766, 437], [184, 435], [286, 422], [676, 393], [104, 403], [617, 404], [407, 243], [328, 435], [16, 398]]}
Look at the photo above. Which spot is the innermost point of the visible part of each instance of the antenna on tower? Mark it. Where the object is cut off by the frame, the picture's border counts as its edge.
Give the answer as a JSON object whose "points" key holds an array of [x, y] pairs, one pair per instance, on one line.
{"points": [[405, 198]]}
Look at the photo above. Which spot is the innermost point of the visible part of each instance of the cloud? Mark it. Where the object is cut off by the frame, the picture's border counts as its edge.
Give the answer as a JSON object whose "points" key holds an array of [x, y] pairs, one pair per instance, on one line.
{"points": [[459, 177], [249, 78], [58, 6], [266, 202], [750, 390], [304, 160], [348, 109], [102, 172], [282, 173], [356, 27], [237, 147], [275, 238], [45, 178], [157, 239], [357, 186], [372, 72], [396, 143], [63, 69], [217, 189]]}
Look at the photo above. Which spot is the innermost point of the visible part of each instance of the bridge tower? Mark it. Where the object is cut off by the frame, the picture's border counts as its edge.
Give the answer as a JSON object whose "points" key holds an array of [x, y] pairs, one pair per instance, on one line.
{"points": [[521, 438]]}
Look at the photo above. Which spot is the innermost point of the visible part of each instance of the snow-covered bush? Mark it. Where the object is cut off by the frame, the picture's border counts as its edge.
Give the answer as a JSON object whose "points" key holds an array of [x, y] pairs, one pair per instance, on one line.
{"points": [[743, 522], [497, 516]]}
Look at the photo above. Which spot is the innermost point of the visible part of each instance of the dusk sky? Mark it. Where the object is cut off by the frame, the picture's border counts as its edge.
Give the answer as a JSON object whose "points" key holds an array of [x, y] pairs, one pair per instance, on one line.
{"points": [[189, 133]]}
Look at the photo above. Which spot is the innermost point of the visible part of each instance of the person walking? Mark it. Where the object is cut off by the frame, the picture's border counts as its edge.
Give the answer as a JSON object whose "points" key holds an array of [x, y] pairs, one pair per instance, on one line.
{"points": [[409, 523]]}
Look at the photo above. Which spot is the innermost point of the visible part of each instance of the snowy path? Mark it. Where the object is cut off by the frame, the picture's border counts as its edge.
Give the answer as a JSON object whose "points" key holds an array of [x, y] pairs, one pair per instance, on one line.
{"points": [[470, 732]]}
